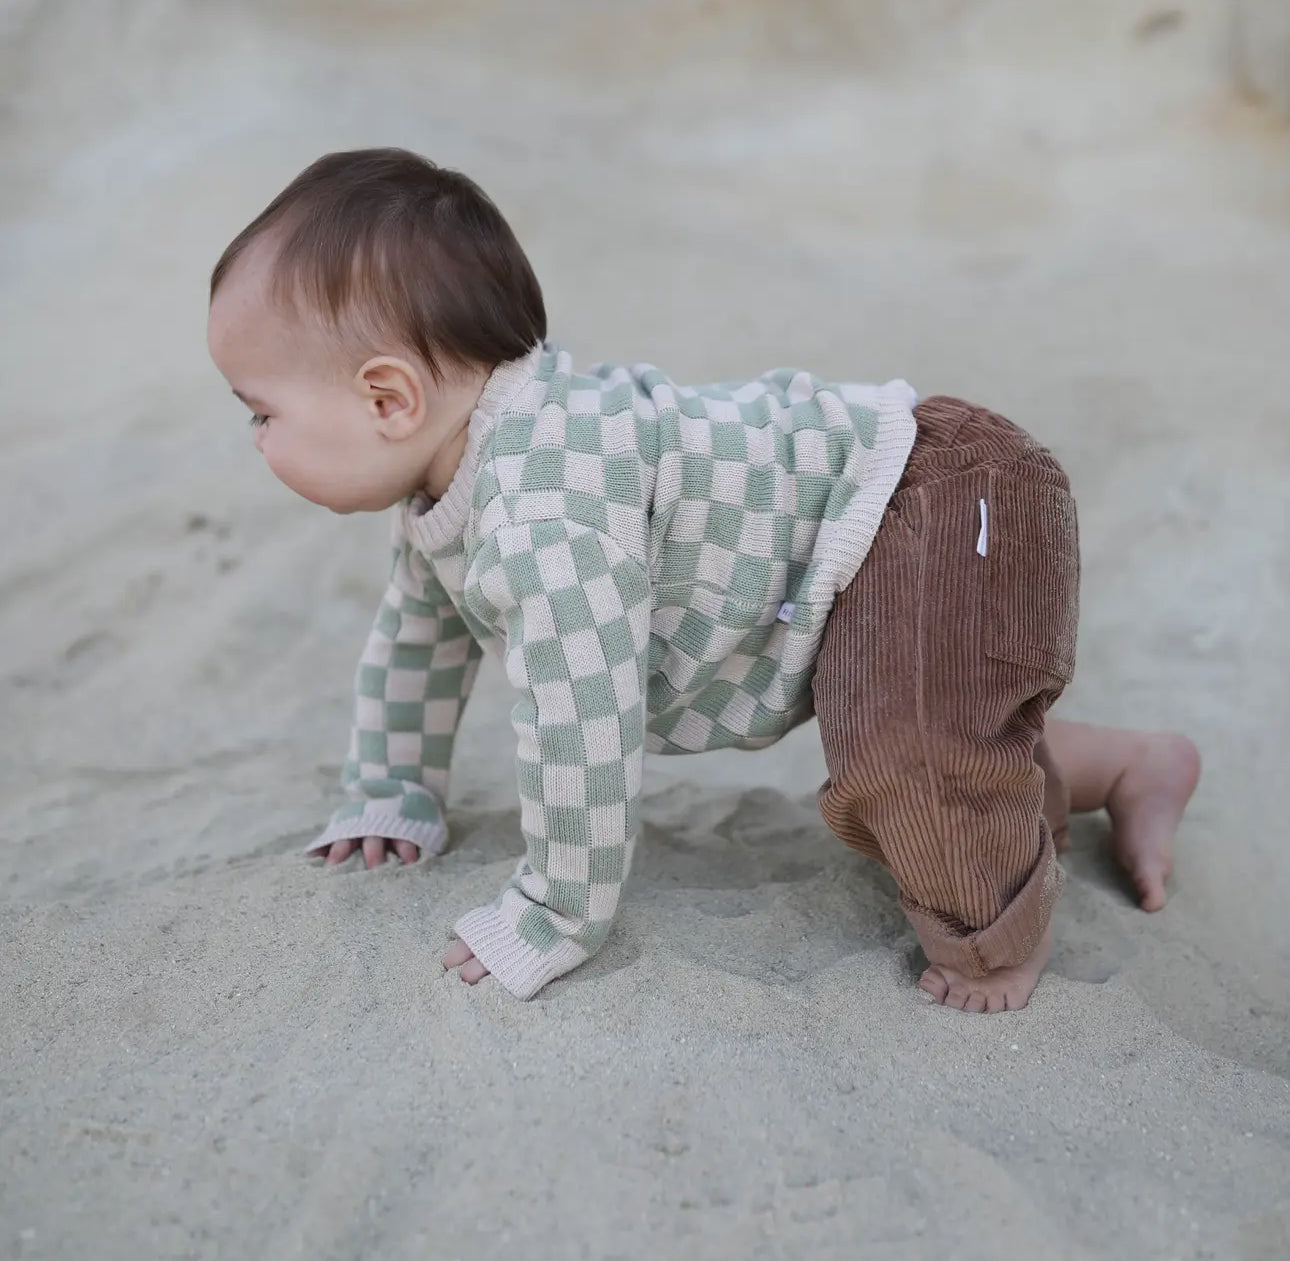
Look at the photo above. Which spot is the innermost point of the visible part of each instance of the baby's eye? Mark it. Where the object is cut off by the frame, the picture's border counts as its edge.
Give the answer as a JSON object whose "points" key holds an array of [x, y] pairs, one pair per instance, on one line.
{"points": [[257, 419]]}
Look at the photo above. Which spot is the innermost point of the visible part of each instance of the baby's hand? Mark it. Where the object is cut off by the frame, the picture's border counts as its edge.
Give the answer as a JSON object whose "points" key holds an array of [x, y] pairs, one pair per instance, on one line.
{"points": [[374, 851], [460, 955]]}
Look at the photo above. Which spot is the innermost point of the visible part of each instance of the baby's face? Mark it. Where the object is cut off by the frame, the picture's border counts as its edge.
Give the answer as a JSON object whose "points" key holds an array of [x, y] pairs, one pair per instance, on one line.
{"points": [[322, 430]]}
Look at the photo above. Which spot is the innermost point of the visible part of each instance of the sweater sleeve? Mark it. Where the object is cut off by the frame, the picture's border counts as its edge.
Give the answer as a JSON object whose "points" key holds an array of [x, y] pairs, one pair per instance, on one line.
{"points": [[575, 611], [411, 687]]}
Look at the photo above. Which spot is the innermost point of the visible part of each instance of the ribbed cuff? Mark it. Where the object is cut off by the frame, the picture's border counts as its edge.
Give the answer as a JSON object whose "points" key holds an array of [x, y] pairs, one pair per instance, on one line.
{"points": [[1007, 942], [518, 966], [431, 837]]}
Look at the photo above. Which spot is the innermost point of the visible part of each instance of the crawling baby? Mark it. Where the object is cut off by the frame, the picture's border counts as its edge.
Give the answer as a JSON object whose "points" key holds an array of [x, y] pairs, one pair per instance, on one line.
{"points": [[672, 568]]}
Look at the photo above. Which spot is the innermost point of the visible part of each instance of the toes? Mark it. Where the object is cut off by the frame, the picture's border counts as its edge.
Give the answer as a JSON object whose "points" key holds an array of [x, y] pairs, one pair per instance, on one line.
{"points": [[961, 994], [373, 851], [340, 850], [457, 953], [1149, 880], [407, 851], [1151, 892], [934, 983], [472, 971]]}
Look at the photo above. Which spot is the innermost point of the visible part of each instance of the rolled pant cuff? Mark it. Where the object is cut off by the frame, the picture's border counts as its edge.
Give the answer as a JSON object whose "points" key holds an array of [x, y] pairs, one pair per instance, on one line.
{"points": [[1011, 939]]}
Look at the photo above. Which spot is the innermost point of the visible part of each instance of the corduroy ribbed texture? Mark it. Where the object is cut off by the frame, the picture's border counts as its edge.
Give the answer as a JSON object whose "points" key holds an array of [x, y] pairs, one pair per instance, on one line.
{"points": [[937, 666]]}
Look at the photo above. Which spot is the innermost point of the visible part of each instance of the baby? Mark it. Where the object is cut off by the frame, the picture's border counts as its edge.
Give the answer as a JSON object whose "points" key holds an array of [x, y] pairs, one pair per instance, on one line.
{"points": [[673, 569]]}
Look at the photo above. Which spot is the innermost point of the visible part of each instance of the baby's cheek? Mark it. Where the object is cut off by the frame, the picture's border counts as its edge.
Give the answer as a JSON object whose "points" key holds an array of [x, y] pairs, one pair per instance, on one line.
{"points": [[326, 485], [286, 469], [273, 458]]}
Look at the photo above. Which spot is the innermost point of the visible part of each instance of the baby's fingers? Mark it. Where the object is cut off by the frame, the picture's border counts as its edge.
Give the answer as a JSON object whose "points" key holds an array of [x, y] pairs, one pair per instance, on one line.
{"points": [[472, 971], [457, 953], [460, 955], [339, 851], [406, 850], [373, 848]]}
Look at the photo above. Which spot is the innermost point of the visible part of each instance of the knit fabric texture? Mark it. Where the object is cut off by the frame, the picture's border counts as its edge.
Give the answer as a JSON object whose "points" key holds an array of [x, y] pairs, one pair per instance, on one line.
{"points": [[654, 565]]}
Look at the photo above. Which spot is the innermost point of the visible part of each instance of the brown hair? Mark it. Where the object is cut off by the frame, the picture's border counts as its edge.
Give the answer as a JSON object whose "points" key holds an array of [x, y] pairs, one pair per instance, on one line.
{"points": [[385, 245]]}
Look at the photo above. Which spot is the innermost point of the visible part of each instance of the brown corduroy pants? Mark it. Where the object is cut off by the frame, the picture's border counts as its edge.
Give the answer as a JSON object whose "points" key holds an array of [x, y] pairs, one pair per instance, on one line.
{"points": [[937, 667]]}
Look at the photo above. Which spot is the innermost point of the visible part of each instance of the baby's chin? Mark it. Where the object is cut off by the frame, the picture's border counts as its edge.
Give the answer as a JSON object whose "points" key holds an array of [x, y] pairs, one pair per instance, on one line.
{"points": [[347, 505], [349, 510]]}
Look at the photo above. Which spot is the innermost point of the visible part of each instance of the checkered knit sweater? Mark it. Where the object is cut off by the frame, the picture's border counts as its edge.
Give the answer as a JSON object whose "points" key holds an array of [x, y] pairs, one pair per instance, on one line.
{"points": [[654, 565]]}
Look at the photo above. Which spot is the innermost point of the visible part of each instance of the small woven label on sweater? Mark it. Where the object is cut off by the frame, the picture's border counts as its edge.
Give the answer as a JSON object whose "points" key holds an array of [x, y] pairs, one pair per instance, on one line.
{"points": [[786, 611], [983, 539]]}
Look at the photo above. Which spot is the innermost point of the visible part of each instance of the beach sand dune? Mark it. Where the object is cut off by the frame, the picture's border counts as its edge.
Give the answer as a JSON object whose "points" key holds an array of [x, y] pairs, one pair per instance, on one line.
{"points": [[1078, 213]]}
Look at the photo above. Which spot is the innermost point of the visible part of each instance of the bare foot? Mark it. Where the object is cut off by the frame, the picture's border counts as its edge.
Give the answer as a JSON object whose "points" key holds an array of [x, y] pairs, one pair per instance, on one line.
{"points": [[1004, 989], [374, 851], [1145, 805], [460, 955]]}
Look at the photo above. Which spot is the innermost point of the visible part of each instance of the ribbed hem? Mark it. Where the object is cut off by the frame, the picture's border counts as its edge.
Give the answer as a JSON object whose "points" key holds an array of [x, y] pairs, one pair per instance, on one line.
{"points": [[518, 966], [842, 546], [431, 837], [433, 525], [1007, 942]]}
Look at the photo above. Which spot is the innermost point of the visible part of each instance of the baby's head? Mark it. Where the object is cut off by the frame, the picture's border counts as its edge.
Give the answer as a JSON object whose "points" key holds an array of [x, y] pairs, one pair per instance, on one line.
{"points": [[358, 317]]}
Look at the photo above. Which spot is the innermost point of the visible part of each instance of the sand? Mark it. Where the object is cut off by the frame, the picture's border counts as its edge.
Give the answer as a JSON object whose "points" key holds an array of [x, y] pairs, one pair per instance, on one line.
{"points": [[1077, 212]]}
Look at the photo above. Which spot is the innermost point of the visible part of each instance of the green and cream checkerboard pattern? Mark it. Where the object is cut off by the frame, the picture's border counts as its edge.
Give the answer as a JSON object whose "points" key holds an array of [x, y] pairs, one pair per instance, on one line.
{"points": [[410, 689], [654, 565]]}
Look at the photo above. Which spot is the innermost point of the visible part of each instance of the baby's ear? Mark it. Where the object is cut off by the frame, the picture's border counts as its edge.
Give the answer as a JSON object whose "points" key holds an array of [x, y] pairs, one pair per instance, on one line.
{"points": [[392, 390]]}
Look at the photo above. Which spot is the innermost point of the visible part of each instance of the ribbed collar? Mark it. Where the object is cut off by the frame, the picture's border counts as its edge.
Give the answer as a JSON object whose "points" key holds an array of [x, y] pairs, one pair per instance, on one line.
{"points": [[433, 525]]}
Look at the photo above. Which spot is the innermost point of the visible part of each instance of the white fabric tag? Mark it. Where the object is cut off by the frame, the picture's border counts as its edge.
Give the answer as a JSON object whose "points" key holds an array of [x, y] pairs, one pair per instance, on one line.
{"points": [[983, 539], [786, 611]]}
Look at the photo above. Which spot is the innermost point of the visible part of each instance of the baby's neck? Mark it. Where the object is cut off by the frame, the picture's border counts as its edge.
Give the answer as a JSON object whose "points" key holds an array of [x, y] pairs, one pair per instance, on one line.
{"points": [[446, 462], [459, 403]]}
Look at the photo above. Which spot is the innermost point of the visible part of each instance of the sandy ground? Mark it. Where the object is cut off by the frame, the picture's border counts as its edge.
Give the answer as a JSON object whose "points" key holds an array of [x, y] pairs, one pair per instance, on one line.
{"points": [[210, 1048]]}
